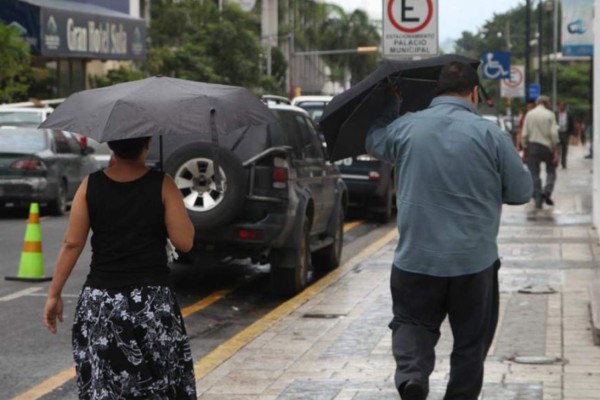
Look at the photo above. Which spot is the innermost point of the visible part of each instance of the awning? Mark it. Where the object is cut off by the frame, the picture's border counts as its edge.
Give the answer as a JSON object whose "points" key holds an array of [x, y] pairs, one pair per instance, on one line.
{"points": [[60, 28]]}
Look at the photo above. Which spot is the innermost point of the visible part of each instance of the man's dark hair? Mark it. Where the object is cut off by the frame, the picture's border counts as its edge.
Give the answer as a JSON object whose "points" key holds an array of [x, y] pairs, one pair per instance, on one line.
{"points": [[129, 149], [457, 78]]}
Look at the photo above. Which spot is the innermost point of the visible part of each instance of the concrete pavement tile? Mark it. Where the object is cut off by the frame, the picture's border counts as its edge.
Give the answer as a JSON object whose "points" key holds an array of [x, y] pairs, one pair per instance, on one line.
{"points": [[242, 382]]}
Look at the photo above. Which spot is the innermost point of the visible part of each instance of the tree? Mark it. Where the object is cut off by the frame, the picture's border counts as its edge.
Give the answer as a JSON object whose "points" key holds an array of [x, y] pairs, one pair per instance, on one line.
{"points": [[495, 35], [205, 44], [14, 65], [324, 26]]}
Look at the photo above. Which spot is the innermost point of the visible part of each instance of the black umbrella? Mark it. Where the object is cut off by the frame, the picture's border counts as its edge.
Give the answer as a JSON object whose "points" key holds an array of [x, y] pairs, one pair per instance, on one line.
{"points": [[157, 106], [160, 106], [350, 114]]}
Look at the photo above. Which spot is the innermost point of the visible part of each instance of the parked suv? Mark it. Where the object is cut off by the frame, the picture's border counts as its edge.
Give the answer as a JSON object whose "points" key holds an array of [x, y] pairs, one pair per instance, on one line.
{"points": [[281, 202], [370, 181]]}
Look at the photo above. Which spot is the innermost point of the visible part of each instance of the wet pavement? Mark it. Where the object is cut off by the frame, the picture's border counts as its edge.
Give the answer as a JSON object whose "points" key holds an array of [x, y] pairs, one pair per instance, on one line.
{"points": [[333, 343]]}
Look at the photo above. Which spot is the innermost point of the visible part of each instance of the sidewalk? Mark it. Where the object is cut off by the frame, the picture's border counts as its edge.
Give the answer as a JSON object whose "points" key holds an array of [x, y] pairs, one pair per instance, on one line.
{"points": [[336, 345]]}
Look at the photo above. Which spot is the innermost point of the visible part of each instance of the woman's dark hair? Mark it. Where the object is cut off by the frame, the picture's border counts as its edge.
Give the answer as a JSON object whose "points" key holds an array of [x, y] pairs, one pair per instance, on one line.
{"points": [[457, 78], [129, 149]]}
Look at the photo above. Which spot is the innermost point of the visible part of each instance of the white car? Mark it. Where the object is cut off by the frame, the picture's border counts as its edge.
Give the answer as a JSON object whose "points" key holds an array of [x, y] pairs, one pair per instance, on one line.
{"points": [[24, 116], [314, 105], [498, 120]]}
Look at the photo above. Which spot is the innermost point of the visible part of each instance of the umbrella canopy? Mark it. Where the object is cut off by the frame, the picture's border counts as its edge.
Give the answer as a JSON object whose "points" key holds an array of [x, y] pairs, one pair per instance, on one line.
{"points": [[350, 114], [158, 106]]}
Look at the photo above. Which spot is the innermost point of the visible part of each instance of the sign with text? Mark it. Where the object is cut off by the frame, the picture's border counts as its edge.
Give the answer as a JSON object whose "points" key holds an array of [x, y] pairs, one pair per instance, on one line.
{"points": [[515, 85], [578, 27], [65, 34], [410, 28]]}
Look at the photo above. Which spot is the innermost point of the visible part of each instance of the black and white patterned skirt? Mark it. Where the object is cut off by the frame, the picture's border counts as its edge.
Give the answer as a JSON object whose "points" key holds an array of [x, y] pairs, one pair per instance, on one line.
{"points": [[131, 344]]}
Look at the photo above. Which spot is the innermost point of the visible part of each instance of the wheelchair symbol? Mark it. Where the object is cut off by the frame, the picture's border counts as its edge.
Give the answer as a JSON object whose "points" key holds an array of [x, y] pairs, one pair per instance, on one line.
{"points": [[493, 69]]}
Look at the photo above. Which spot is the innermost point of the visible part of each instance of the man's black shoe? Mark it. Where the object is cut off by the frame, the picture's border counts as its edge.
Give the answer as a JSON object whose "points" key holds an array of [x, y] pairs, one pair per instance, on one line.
{"points": [[413, 390], [548, 199]]}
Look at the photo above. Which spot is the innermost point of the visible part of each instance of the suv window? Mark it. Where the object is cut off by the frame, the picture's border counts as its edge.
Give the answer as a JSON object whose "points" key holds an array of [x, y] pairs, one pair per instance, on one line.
{"points": [[62, 145], [309, 140], [292, 135], [73, 143]]}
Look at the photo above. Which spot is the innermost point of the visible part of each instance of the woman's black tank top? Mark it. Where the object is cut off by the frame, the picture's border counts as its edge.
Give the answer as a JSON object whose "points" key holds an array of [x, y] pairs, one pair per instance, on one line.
{"points": [[128, 231]]}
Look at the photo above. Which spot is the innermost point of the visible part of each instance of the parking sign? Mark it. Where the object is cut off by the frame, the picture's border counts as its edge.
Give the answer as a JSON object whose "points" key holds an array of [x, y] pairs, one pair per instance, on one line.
{"points": [[410, 28], [495, 65]]}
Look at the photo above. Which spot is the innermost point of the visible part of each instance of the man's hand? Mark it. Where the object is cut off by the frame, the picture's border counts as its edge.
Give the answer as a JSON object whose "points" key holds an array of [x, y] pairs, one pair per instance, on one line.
{"points": [[555, 157], [525, 154]]}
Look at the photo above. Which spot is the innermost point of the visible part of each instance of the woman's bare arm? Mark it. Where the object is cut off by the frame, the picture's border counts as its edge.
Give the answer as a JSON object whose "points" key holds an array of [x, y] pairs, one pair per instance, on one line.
{"points": [[73, 244], [179, 226]]}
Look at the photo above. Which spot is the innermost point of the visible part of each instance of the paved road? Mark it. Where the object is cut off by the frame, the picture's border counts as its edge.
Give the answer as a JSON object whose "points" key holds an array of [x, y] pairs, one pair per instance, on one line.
{"points": [[220, 301]]}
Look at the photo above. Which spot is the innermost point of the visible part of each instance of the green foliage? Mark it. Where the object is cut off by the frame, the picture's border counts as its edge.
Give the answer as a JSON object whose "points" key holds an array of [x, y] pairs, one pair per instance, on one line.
{"points": [[205, 45], [14, 65], [573, 82], [324, 26], [120, 75]]}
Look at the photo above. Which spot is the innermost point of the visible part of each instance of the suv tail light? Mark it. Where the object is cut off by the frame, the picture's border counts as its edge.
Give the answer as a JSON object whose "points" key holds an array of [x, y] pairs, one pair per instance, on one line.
{"points": [[28, 164], [250, 234], [374, 176], [280, 173]]}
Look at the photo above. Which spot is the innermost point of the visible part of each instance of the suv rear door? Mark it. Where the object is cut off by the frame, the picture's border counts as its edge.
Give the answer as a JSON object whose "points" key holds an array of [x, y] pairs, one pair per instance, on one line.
{"points": [[309, 168]]}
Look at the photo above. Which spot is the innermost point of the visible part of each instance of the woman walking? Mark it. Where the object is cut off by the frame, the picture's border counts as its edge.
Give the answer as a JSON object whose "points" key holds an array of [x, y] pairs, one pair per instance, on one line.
{"points": [[129, 339]]}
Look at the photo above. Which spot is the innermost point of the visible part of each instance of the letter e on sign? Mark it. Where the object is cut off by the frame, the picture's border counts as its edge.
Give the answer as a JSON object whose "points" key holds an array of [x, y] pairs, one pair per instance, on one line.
{"points": [[406, 17], [410, 28]]}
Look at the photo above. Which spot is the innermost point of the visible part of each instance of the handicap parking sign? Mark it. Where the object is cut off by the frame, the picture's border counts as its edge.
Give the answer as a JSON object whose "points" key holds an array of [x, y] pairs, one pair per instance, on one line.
{"points": [[495, 64]]}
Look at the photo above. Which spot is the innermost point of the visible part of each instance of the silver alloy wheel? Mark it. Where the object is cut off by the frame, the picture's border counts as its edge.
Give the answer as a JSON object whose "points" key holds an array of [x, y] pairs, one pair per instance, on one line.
{"points": [[196, 182]]}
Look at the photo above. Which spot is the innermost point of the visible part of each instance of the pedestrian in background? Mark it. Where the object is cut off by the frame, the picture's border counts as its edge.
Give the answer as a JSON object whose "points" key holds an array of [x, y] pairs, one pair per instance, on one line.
{"points": [[454, 170], [566, 128], [540, 144], [529, 106], [129, 339]]}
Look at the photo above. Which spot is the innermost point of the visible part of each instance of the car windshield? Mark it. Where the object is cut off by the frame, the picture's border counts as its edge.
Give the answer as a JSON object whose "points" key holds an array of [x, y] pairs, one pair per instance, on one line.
{"points": [[314, 109], [20, 117], [22, 140]]}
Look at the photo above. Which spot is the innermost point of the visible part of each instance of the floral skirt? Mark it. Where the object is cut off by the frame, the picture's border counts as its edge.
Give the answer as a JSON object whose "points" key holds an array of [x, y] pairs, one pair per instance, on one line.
{"points": [[131, 343]]}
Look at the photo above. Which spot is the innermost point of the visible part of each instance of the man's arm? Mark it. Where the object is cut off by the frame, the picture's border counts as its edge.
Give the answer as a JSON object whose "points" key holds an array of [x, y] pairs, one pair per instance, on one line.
{"points": [[517, 185], [379, 143], [525, 132]]}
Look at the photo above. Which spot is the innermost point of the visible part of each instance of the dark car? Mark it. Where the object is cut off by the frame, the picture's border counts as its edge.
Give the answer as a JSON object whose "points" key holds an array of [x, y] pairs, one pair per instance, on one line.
{"points": [[370, 181], [281, 202], [41, 165]]}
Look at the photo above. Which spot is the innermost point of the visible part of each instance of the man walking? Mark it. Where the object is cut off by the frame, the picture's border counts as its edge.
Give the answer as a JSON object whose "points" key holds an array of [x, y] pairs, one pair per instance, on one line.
{"points": [[540, 140], [454, 170], [566, 128]]}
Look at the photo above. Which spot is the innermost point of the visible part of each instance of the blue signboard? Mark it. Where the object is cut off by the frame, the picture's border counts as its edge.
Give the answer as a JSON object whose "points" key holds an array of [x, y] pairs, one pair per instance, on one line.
{"points": [[495, 65], [535, 90]]}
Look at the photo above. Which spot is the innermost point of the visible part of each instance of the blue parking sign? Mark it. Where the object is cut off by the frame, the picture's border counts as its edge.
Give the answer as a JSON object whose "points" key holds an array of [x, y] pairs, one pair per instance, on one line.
{"points": [[495, 65], [535, 91]]}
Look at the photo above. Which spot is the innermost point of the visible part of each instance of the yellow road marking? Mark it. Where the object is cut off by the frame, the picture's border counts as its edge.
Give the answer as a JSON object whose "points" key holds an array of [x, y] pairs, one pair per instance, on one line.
{"points": [[352, 225], [47, 386], [227, 349], [207, 301], [63, 377]]}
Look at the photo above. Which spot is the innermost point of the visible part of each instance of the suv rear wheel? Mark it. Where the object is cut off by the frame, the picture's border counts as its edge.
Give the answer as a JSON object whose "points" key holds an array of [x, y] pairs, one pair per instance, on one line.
{"points": [[194, 173], [290, 273], [58, 206]]}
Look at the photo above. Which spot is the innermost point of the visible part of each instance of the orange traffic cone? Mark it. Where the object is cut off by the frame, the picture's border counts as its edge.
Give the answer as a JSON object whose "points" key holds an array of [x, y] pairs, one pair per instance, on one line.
{"points": [[31, 268]]}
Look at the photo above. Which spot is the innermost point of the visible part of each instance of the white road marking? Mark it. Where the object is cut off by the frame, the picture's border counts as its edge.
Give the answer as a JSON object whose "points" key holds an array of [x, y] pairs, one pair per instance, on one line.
{"points": [[20, 293]]}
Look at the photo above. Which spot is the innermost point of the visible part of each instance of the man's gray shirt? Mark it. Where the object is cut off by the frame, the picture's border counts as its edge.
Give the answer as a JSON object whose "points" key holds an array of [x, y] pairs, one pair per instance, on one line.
{"points": [[454, 170]]}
